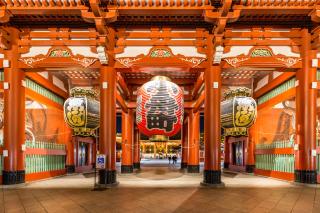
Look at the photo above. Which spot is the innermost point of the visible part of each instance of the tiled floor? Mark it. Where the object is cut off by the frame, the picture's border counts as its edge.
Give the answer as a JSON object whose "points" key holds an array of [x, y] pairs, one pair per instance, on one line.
{"points": [[161, 189]]}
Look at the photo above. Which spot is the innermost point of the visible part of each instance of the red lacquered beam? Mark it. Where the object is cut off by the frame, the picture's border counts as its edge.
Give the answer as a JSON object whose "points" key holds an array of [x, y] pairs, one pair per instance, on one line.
{"points": [[44, 175], [37, 151], [275, 174], [279, 151]]}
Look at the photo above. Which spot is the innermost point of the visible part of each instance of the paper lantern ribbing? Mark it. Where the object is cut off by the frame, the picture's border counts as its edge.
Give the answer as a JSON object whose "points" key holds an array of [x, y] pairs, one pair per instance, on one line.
{"points": [[159, 107], [81, 112]]}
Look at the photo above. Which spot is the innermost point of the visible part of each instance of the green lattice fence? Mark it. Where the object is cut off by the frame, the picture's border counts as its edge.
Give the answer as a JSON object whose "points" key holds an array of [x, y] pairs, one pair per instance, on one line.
{"points": [[276, 144], [43, 91], [277, 91], [42, 163], [1, 164], [275, 162], [318, 164]]}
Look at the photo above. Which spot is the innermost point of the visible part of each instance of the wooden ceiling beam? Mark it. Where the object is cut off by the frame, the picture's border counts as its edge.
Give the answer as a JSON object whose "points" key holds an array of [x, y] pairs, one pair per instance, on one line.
{"points": [[229, 42], [121, 102], [199, 102], [160, 42], [57, 43], [122, 83], [197, 85], [140, 81]]}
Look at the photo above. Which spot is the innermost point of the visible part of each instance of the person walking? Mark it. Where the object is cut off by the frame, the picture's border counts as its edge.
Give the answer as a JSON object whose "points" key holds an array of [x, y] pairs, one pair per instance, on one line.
{"points": [[169, 158], [174, 159]]}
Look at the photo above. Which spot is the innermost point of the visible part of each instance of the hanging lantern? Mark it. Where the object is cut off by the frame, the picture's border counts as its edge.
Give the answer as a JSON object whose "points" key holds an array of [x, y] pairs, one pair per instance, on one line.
{"points": [[82, 111], [238, 112], [159, 107]]}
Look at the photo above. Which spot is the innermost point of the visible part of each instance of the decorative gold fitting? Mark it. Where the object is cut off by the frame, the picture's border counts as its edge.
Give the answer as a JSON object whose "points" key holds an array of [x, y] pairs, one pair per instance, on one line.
{"points": [[160, 78], [158, 138]]}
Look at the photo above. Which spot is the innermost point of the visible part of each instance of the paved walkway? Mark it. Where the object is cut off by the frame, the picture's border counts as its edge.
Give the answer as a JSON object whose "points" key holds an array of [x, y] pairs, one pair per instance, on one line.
{"points": [[161, 189]]}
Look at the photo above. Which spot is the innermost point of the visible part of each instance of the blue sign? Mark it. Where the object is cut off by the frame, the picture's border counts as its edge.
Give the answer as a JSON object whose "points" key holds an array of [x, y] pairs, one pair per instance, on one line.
{"points": [[101, 161]]}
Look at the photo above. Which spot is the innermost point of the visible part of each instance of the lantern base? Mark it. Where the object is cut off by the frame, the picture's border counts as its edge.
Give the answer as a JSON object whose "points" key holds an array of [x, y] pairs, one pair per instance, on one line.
{"points": [[136, 165], [159, 138], [108, 177], [193, 168], [126, 169], [211, 177], [13, 177], [305, 176], [250, 168], [184, 165], [70, 169]]}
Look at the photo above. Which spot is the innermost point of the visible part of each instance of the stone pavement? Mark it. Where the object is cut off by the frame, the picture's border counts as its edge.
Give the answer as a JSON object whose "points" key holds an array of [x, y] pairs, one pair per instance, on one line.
{"points": [[160, 189]]}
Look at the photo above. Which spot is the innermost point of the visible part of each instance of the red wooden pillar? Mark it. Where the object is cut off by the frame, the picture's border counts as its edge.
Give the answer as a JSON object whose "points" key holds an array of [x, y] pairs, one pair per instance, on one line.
{"points": [[127, 139], [14, 115], [70, 165], [226, 153], [90, 154], [107, 143], [136, 156], [184, 146], [305, 162], [250, 149], [212, 127], [193, 142]]}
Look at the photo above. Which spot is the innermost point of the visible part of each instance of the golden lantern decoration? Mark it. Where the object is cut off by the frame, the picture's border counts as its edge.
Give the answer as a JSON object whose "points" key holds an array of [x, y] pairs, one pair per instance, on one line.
{"points": [[238, 111], [82, 111]]}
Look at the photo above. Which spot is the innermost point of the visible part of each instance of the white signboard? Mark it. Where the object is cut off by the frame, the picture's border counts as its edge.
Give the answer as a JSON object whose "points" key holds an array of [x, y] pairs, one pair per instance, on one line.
{"points": [[101, 161]]}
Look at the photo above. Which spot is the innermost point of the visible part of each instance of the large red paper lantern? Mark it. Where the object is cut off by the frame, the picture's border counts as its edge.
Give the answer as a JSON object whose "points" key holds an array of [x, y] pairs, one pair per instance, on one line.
{"points": [[159, 107]]}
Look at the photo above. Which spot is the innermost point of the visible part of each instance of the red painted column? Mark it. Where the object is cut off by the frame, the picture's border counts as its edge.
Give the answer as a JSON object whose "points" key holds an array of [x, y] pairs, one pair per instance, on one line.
{"points": [[14, 115], [70, 165], [250, 149], [226, 152], [212, 127], [107, 143], [127, 142], [184, 146], [193, 142], [305, 162], [136, 156]]}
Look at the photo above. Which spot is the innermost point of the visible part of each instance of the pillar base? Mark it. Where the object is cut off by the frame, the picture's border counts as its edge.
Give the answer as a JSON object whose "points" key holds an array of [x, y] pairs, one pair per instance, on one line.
{"points": [[193, 168], [13, 177], [126, 169], [211, 177], [136, 165], [184, 165], [250, 168], [70, 169], [305, 176], [107, 177], [226, 165]]}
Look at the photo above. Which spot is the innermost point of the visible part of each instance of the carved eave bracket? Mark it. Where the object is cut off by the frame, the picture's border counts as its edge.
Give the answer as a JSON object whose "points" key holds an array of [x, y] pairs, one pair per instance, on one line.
{"points": [[4, 39], [315, 14], [58, 57], [160, 57], [4, 14], [263, 57]]}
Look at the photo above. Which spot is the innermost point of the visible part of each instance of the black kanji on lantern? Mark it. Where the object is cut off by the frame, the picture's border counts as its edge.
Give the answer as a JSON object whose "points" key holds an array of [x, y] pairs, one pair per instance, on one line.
{"points": [[161, 108]]}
